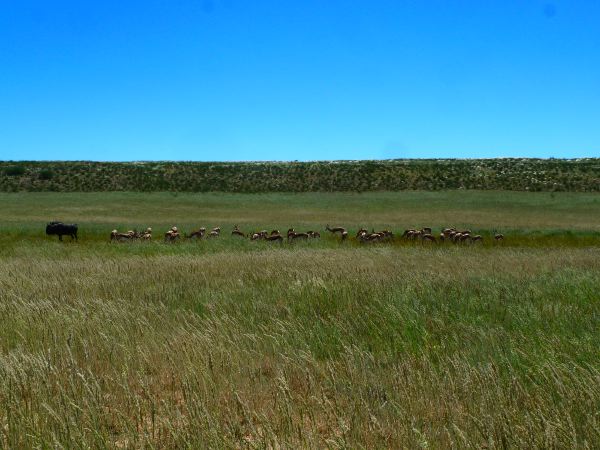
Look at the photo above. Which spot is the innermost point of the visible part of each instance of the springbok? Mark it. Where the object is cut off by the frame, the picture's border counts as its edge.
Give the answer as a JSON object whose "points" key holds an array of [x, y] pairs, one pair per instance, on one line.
{"points": [[237, 232], [172, 235], [257, 235], [292, 236], [498, 237], [274, 238], [360, 232], [428, 237], [314, 234], [147, 235], [198, 234], [476, 238], [121, 237], [334, 230]]}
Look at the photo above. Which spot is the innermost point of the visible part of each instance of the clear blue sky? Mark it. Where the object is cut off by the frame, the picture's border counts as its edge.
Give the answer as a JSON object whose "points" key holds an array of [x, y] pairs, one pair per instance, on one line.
{"points": [[310, 79]]}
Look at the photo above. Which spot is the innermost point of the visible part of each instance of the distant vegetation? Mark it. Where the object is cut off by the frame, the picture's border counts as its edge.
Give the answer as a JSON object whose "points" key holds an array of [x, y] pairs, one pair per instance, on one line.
{"points": [[581, 175]]}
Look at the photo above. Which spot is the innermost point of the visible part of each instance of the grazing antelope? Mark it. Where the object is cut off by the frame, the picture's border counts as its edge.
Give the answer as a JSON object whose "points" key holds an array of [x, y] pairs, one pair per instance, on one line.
{"points": [[274, 238], [386, 234], [274, 232], [313, 234], [147, 235], [428, 237], [426, 230], [498, 237], [476, 238], [360, 232], [256, 235], [120, 237], [198, 234], [334, 230], [292, 236], [236, 232], [344, 235], [172, 235], [369, 237]]}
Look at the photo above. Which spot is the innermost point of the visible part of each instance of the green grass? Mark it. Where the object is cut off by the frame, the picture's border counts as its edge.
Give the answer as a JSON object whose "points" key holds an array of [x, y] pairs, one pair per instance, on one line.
{"points": [[230, 344]]}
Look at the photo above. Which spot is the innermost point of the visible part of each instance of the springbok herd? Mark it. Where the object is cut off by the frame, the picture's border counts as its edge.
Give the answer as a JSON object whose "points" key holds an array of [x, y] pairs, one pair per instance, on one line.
{"points": [[363, 235]]}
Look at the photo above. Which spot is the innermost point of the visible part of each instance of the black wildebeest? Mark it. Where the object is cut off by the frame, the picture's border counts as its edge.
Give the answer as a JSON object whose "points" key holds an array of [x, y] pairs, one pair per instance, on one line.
{"points": [[62, 229]]}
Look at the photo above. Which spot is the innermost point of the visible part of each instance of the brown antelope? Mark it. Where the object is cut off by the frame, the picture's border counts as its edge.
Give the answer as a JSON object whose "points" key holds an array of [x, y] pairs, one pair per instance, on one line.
{"points": [[334, 230], [172, 235], [274, 238], [386, 234], [360, 232], [237, 232], [369, 237], [407, 233], [198, 234], [498, 237], [257, 235], [428, 237], [147, 235], [476, 238], [120, 237], [294, 235], [313, 234]]}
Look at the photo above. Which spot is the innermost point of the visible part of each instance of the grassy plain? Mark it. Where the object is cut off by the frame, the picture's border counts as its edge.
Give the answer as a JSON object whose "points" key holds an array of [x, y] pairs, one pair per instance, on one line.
{"points": [[232, 344]]}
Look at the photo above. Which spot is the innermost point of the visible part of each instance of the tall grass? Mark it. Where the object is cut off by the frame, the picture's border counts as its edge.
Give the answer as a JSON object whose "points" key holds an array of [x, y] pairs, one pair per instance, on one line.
{"points": [[228, 344]]}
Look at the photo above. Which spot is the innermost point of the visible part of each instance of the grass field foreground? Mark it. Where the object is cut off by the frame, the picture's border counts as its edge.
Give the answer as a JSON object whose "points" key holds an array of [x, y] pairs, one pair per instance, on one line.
{"points": [[224, 344]]}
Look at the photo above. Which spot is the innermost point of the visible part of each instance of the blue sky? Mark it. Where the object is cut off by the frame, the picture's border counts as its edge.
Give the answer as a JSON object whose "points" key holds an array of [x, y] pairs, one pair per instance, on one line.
{"points": [[305, 80]]}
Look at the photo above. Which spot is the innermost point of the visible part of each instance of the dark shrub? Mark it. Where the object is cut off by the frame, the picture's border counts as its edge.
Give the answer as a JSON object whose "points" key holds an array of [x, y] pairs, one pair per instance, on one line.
{"points": [[14, 171], [46, 174]]}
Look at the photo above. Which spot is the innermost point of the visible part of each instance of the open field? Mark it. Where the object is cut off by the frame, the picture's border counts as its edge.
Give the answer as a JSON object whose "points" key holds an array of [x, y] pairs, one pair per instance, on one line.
{"points": [[231, 343]]}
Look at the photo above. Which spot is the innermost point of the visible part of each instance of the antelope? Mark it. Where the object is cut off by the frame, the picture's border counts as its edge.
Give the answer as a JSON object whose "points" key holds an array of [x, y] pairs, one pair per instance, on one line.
{"points": [[274, 232], [313, 234], [386, 234], [172, 235], [198, 234], [344, 235], [216, 230], [120, 237], [360, 232], [258, 235], [294, 235], [334, 230], [274, 238], [476, 238], [147, 235], [498, 237], [428, 237], [426, 230], [236, 232], [369, 237]]}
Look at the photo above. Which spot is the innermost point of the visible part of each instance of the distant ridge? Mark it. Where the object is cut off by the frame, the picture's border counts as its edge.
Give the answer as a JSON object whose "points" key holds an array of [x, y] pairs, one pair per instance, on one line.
{"points": [[576, 175]]}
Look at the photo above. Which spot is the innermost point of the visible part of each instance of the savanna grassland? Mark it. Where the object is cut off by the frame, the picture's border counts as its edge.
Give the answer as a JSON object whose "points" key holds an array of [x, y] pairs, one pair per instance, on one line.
{"points": [[230, 343]]}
